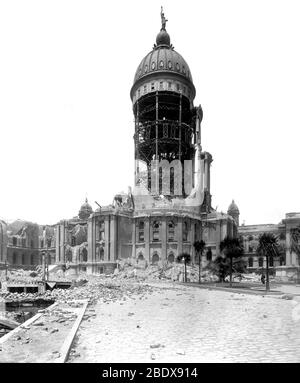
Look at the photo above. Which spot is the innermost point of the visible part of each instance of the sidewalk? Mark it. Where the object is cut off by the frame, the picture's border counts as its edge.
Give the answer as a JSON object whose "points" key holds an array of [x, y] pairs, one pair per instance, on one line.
{"points": [[277, 290]]}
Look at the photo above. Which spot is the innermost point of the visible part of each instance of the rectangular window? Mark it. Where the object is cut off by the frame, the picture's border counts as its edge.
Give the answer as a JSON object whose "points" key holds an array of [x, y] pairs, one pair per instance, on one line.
{"points": [[169, 85], [141, 236], [161, 85], [178, 87], [145, 89], [152, 86], [184, 89]]}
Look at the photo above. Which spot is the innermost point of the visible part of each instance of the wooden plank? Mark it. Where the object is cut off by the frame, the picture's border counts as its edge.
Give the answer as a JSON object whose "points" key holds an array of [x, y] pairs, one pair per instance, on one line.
{"points": [[9, 323], [5, 337], [65, 349]]}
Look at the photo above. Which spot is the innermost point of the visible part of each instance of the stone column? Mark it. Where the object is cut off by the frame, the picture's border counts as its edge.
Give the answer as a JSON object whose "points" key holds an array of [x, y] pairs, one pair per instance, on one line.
{"points": [[164, 239], [192, 240], [147, 238], [57, 243], [91, 239], [218, 237], [62, 242], [288, 255], [113, 238], [134, 222], [179, 235], [107, 239]]}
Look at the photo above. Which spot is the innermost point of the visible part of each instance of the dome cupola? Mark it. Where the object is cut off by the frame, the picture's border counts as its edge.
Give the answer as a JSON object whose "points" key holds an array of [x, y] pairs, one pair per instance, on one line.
{"points": [[233, 208], [85, 210], [234, 212]]}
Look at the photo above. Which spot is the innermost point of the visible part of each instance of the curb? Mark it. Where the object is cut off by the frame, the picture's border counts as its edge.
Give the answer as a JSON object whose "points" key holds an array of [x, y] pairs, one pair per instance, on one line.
{"points": [[236, 291], [65, 348]]}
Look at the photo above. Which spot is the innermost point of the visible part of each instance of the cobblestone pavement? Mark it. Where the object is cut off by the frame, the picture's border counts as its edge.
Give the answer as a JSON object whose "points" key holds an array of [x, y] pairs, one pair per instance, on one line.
{"points": [[187, 324]]}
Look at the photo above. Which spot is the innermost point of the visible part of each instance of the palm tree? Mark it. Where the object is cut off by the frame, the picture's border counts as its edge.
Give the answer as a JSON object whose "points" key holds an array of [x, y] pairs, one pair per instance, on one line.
{"points": [[232, 248], [295, 246], [187, 258], [199, 248], [268, 246]]}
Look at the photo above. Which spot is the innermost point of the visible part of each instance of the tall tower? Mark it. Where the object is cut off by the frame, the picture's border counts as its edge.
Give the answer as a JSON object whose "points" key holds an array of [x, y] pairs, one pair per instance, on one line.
{"points": [[167, 125]]}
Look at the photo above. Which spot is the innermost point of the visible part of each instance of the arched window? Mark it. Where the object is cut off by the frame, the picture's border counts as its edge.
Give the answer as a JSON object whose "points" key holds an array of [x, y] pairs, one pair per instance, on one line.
{"points": [[250, 262], [140, 257], [42, 243], [185, 232], [14, 260], [14, 241], [23, 259], [260, 262], [141, 235], [31, 244], [155, 258], [155, 231], [49, 259], [32, 259], [271, 261], [282, 261], [208, 255], [49, 242], [84, 255], [171, 258], [73, 240], [250, 249], [171, 231]]}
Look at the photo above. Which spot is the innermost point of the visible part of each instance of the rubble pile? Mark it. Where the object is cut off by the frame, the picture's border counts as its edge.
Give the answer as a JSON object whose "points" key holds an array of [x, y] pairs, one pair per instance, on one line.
{"points": [[95, 289], [171, 272], [21, 276]]}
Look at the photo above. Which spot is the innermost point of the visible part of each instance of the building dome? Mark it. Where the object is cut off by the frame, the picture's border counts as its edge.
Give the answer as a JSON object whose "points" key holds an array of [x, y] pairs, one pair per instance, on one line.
{"points": [[163, 58], [85, 210], [233, 209], [163, 61]]}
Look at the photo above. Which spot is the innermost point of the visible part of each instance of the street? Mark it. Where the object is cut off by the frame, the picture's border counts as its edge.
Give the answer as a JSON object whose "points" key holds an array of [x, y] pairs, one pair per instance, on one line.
{"points": [[176, 323]]}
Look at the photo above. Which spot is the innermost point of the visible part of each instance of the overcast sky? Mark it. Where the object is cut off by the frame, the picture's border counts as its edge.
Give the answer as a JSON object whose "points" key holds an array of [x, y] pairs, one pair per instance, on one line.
{"points": [[66, 121]]}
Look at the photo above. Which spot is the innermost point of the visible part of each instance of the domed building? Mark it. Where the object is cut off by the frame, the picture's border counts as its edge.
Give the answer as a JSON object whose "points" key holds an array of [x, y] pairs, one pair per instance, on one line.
{"points": [[234, 212], [169, 207], [85, 210]]}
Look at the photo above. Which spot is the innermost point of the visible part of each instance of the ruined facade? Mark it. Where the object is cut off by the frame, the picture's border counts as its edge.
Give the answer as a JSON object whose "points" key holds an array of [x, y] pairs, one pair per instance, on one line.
{"points": [[3, 242], [22, 243], [287, 265]]}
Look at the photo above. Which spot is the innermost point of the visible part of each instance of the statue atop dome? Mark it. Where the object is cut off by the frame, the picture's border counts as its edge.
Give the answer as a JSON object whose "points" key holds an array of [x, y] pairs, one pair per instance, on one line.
{"points": [[163, 20]]}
